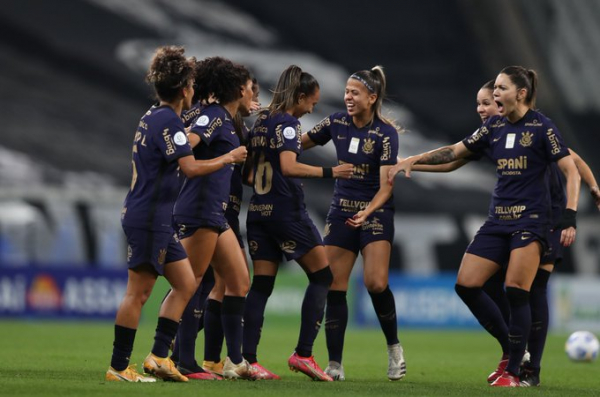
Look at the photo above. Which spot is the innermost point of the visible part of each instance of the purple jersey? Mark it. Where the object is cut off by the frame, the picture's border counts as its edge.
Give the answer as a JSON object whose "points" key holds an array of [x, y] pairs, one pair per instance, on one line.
{"points": [[159, 141], [190, 116], [522, 152], [368, 148], [236, 191], [276, 197], [206, 197], [557, 193]]}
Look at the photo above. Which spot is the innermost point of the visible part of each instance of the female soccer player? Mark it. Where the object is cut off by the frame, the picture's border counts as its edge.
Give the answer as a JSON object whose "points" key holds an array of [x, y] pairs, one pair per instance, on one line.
{"points": [[278, 222], [523, 143], [199, 212], [494, 287], [160, 147], [361, 216]]}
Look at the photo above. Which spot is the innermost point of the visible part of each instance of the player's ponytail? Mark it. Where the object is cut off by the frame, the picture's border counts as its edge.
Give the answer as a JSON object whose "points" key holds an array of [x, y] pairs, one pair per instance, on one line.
{"points": [[292, 82], [524, 79]]}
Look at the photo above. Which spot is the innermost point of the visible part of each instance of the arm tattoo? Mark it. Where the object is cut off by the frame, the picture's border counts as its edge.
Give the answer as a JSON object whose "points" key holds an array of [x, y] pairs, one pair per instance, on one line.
{"points": [[440, 156]]}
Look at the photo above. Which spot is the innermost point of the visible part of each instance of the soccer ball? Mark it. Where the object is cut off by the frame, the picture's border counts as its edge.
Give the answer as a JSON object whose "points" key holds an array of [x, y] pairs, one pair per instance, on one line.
{"points": [[582, 346]]}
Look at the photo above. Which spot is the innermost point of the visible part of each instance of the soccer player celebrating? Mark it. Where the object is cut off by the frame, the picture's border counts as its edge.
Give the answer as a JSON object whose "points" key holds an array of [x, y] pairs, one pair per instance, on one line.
{"points": [[523, 143], [278, 222], [361, 216], [160, 148], [199, 212]]}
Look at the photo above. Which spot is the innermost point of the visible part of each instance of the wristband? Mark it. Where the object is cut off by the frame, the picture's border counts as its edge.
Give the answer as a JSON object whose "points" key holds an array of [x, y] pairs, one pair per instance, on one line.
{"points": [[327, 172], [567, 220]]}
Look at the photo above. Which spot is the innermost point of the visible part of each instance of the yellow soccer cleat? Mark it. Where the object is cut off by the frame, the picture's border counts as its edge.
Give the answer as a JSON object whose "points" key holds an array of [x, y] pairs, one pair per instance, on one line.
{"points": [[163, 368], [129, 374], [213, 367]]}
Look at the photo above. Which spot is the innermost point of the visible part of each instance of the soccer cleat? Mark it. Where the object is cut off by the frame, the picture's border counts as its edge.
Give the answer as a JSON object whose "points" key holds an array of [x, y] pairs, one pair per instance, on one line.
{"points": [[526, 358], [242, 370], [213, 367], [263, 373], [308, 366], [163, 368], [506, 380], [335, 370], [129, 374], [396, 362], [530, 377], [197, 372], [498, 372]]}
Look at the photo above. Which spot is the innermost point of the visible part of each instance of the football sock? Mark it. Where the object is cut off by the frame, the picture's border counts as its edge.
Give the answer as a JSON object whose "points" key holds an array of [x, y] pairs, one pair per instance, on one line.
{"points": [[385, 308], [538, 299], [232, 313], [122, 347], [336, 321], [494, 287], [207, 284], [313, 309], [260, 291], [520, 324], [486, 312], [184, 349], [213, 331], [166, 330]]}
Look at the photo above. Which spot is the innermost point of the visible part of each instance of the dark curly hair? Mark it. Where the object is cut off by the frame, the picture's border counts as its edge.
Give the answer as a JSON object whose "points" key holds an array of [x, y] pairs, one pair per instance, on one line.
{"points": [[221, 78], [169, 72]]}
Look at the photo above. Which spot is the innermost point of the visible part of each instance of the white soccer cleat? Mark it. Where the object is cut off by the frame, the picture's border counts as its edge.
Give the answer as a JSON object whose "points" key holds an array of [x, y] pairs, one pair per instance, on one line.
{"points": [[336, 371], [242, 370], [396, 362]]}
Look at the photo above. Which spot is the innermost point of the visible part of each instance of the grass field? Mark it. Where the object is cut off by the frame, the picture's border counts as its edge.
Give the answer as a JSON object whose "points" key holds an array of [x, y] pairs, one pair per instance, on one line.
{"points": [[66, 359]]}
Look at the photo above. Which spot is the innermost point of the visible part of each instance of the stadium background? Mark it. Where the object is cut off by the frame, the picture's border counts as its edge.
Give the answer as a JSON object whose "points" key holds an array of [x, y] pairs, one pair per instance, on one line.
{"points": [[71, 79]]}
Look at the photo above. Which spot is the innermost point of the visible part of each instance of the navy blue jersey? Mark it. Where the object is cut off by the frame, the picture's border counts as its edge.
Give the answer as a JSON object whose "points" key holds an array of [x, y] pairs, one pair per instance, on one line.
{"points": [[275, 197], [190, 116], [522, 152], [206, 197], [557, 193], [368, 148], [159, 141], [236, 191]]}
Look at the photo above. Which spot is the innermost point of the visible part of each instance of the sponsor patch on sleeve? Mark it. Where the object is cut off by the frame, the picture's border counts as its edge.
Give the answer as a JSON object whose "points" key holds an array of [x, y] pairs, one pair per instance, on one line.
{"points": [[180, 138], [202, 120], [289, 133]]}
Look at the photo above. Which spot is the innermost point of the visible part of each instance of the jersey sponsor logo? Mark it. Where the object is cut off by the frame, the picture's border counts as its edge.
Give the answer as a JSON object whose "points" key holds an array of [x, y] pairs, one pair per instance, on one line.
{"points": [[526, 139], [340, 137], [477, 135], [368, 145], [534, 123], [510, 212], [375, 131], [289, 133], [216, 123], [180, 138], [169, 142], [512, 166], [553, 141], [202, 121], [386, 150], [341, 121], [374, 226]]}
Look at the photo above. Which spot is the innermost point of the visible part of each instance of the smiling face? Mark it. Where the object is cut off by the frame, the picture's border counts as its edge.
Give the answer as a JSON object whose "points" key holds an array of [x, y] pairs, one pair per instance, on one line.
{"points": [[486, 106], [359, 101], [306, 104]]}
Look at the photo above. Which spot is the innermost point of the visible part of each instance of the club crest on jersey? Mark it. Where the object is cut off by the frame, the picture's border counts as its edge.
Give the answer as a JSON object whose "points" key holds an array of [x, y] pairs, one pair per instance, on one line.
{"points": [[368, 146], [253, 246], [288, 246], [526, 139], [202, 120], [162, 255]]}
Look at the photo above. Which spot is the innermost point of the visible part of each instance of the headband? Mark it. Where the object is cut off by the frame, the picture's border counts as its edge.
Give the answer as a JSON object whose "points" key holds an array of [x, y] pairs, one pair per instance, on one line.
{"points": [[357, 77]]}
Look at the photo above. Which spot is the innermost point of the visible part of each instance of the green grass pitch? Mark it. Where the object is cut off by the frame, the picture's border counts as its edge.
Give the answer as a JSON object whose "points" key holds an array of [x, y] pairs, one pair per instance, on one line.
{"points": [[42, 358]]}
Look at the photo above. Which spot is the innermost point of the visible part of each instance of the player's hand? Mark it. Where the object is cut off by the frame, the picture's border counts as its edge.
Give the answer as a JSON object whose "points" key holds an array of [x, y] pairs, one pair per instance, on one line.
{"points": [[357, 220], [343, 171], [595, 192], [254, 107], [402, 166], [239, 154], [567, 236]]}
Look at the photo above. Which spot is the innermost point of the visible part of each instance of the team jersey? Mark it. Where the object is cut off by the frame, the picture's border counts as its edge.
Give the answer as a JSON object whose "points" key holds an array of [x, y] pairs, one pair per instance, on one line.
{"points": [[190, 116], [368, 148], [557, 193], [522, 152], [276, 197], [206, 197], [236, 191], [159, 141]]}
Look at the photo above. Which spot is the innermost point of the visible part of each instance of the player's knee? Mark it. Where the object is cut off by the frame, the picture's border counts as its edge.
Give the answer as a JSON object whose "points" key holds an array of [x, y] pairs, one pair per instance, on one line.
{"points": [[376, 286], [517, 296], [263, 284], [467, 294], [322, 277]]}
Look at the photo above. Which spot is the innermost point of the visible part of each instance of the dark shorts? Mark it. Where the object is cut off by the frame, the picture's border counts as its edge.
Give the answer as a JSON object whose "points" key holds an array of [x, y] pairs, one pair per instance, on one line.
{"points": [[269, 240], [495, 242], [378, 227], [150, 247], [554, 254], [234, 224], [187, 226]]}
